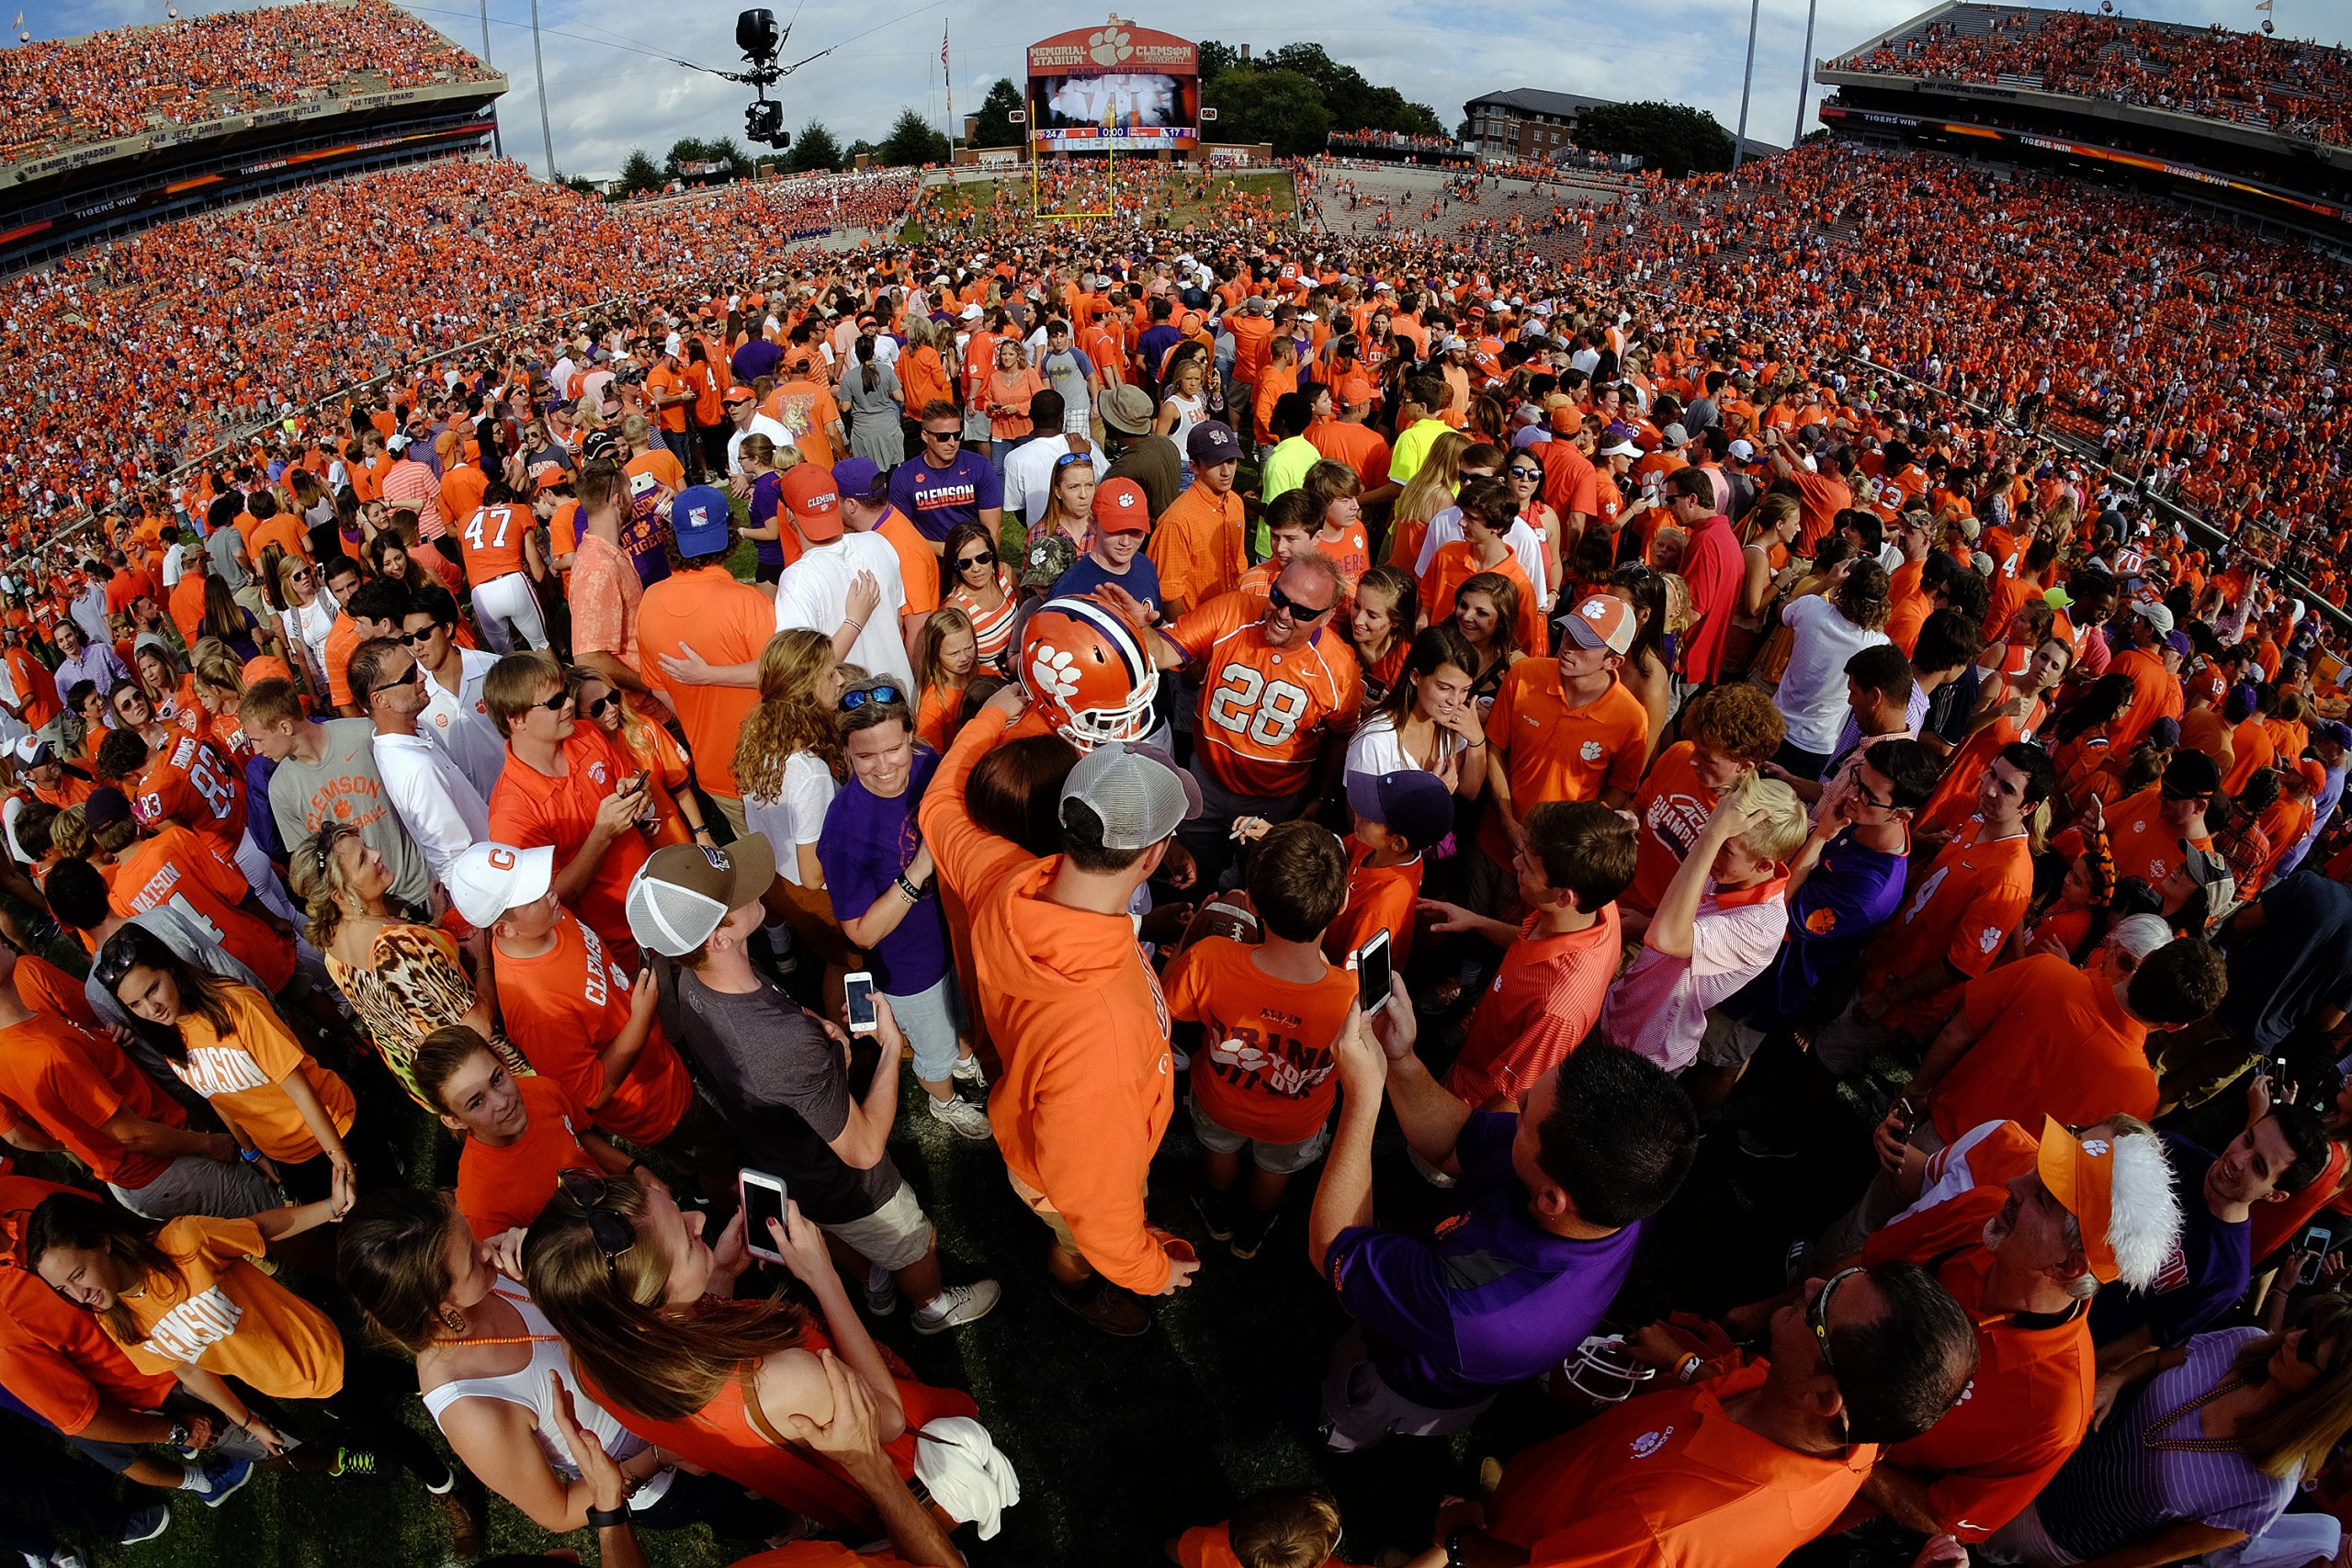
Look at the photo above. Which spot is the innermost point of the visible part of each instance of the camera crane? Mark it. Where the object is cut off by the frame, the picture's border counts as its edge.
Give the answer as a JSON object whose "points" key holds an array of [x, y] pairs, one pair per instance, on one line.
{"points": [[761, 41]]}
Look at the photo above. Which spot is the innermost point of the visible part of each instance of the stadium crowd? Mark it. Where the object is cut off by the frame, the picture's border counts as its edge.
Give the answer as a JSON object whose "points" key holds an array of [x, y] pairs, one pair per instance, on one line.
{"points": [[125, 81], [2301, 89], [1305, 676]]}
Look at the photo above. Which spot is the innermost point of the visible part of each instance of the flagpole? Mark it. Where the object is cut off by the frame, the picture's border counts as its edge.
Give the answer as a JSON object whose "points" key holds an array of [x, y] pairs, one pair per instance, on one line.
{"points": [[947, 74]]}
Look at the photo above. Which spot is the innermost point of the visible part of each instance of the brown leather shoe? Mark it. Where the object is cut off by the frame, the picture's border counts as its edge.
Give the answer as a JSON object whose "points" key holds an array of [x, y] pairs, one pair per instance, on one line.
{"points": [[466, 1536], [1108, 1308]]}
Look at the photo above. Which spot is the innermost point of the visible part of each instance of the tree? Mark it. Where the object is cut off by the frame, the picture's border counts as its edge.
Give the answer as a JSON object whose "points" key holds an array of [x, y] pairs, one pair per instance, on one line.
{"points": [[814, 151], [582, 184], [995, 127], [1261, 104], [1216, 58], [1349, 102], [861, 148], [1673, 139], [912, 141], [640, 172]]}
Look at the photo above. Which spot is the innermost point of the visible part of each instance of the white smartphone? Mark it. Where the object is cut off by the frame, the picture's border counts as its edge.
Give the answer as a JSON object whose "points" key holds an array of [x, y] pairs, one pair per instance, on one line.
{"points": [[1372, 973], [858, 989], [762, 1198], [643, 484]]}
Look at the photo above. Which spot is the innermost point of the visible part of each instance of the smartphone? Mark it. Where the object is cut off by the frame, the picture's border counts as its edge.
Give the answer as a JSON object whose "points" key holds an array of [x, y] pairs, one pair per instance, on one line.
{"points": [[2316, 1241], [643, 484], [859, 989], [1372, 973], [762, 1198]]}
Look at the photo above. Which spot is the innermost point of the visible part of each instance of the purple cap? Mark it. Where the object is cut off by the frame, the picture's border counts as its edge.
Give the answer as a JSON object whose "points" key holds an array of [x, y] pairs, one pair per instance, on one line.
{"points": [[858, 479], [1210, 443], [2335, 729], [1412, 803], [2165, 733], [105, 806], [2177, 642]]}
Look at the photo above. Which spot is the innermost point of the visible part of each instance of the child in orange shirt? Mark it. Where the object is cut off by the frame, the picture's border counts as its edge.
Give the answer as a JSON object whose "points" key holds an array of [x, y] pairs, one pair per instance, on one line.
{"points": [[1281, 1526], [1335, 504], [1264, 1077], [1395, 817], [520, 1132]]}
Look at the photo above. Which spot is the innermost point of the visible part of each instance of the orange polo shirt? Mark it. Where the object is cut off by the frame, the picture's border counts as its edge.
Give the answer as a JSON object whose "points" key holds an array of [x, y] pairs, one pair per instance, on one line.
{"points": [[529, 809], [2051, 1040], [1551, 752]]}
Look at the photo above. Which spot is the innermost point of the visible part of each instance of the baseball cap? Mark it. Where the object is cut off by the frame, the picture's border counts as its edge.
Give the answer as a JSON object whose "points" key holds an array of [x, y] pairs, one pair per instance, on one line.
{"points": [[1210, 443], [1045, 561], [2156, 614], [1412, 803], [546, 476], [2080, 1173], [859, 477], [105, 806], [1120, 507], [741, 395], [1623, 446], [2335, 729], [971, 313], [2165, 733], [815, 505], [682, 892], [1674, 435], [1744, 449], [2057, 598], [1126, 409], [487, 880], [1138, 796], [1602, 621], [2204, 867], [2191, 773], [2313, 773], [699, 518], [31, 752]]}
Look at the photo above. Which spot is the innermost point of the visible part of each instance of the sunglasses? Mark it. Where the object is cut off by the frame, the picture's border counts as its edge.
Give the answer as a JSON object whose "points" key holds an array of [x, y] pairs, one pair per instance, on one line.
{"points": [[597, 709], [1817, 1317], [418, 638], [956, 435], [986, 557], [302, 577], [607, 1226], [1066, 459], [555, 704], [1517, 473], [1282, 601], [882, 692], [416, 676]]}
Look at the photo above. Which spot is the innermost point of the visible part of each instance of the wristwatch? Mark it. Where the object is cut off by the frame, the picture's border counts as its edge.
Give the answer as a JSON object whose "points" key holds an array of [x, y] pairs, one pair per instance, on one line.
{"points": [[607, 1518], [1454, 1551], [179, 1433]]}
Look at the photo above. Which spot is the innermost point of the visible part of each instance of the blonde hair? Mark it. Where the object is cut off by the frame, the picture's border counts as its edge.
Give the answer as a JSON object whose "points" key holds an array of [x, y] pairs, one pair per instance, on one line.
{"points": [[216, 664], [1782, 825], [1430, 490], [2295, 1434], [657, 1362], [1769, 514], [315, 873], [937, 628], [789, 719]]}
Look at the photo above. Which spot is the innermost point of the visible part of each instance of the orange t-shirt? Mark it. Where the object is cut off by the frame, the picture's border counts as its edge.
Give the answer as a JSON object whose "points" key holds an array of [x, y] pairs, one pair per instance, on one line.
{"points": [[1960, 913], [499, 1188], [71, 1082], [1380, 898], [343, 641], [1668, 815], [529, 809], [285, 531], [240, 1071], [1545, 998], [1351, 552], [175, 867], [1551, 752], [226, 1316], [564, 1007], [2143, 845], [2051, 1041], [492, 541], [1266, 1068], [44, 988], [1452, 565], [727, 623], [1265, 712]]}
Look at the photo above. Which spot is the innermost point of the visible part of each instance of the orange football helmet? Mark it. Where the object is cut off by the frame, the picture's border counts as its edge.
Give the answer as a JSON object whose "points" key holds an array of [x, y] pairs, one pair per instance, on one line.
{"points": [[1089, 673]]}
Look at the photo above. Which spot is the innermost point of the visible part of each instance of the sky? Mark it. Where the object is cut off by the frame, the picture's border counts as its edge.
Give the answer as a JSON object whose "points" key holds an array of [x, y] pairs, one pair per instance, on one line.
{"points": [[607, 92]]}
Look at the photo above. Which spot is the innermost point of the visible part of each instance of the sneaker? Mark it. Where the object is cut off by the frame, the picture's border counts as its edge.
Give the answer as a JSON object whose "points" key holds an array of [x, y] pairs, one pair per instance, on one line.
{"points": [[964, 1118], [466, 1525], [352, 1461], [968, 1070], [1251, 1229], [1111, 1310], [223, 1476], [958, 1306], [1756, 1143], [145, 1524], [881, 1294], [1215, 1210]]}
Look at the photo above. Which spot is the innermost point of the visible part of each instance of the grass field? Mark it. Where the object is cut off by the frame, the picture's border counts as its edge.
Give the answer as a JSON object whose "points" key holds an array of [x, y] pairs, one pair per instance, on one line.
{"points": [[953, 201]]}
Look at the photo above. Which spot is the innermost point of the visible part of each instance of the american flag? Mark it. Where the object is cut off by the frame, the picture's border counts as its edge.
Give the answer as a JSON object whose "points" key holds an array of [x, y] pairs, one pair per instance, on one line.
{"points": [[943, 48]]}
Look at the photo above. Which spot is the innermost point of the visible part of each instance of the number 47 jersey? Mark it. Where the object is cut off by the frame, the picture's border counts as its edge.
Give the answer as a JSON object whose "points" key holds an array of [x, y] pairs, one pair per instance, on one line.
{"points": [[1265, 712]]}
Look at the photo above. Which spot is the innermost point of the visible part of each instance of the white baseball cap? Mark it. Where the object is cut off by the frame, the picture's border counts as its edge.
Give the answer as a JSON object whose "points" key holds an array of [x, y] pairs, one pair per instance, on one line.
{"points": [[487, 880]]}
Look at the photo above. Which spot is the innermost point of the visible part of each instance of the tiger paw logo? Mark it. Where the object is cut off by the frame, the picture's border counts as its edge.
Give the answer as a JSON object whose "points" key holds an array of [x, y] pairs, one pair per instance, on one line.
{"points": [[1239, 1055], [1649, 1443], [1054, 673], [1589, 750], [1110, 46]]}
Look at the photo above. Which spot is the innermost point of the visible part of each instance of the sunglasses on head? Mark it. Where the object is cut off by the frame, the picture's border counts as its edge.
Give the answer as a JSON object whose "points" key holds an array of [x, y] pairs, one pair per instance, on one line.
{"points": [[857, 697], [607, 1226], [1066, 459], [1282, 601]]}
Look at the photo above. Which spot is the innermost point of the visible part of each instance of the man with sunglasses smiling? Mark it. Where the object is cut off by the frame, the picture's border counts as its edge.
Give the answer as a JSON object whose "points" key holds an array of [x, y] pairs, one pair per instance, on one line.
{"points": [[943, 484], [435, 802], [1765, 1450]]}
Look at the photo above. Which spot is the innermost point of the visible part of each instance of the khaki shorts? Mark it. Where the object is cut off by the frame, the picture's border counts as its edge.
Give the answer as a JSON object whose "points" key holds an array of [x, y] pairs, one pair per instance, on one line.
{"points": [[895, 1236], [1063, 1237], [1274, 1159]]}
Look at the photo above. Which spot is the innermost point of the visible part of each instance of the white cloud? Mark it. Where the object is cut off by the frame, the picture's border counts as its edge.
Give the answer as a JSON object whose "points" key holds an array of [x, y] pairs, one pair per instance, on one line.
{"points": [[603, 100]]}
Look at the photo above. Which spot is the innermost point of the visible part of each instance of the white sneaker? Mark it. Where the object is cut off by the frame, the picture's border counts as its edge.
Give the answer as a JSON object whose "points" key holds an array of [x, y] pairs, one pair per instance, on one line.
{"points": [[968, 1070], [965, 1119], [957, 1305]]}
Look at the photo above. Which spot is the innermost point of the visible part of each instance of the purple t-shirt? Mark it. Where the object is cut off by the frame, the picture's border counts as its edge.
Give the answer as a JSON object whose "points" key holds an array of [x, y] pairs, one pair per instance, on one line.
{"points": [[938, 499], [867, 842], [1487, 1298]]}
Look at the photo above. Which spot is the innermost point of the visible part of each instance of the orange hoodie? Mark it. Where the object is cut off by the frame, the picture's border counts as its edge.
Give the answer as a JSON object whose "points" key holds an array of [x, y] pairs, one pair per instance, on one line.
{"points": [[1087, 1084]]}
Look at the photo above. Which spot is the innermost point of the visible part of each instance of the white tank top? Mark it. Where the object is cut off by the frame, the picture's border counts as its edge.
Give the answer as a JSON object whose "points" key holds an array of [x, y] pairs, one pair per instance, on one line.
{"points": [[529, 1388]]}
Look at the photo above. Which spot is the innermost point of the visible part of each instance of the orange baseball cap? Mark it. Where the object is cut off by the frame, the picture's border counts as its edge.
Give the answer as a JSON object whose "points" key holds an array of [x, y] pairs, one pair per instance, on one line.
{"points": [[1604, 621], [741, 395], [2080, 1173], [546, 476], [1120, 507], [816, 504]]}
